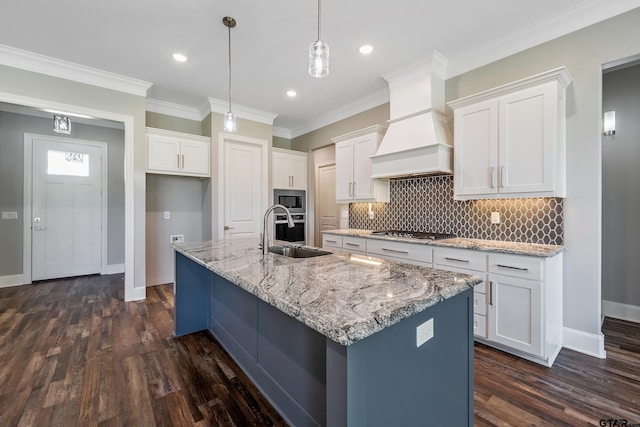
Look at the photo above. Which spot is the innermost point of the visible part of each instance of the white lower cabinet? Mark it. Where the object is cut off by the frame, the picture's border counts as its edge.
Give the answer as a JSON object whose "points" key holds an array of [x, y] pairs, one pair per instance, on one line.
{"points": [[400, 251], [354, 244], [518, 306]]}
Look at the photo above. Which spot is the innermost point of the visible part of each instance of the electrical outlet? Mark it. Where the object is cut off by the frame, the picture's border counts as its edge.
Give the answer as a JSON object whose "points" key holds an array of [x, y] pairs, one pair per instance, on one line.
{"points": [[177, 238], [495, 217], [372, 215], [167, 215], [424, 332]]}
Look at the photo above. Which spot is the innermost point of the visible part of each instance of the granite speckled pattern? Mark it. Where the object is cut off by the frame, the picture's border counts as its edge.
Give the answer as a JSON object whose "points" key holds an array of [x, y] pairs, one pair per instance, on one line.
{"points": [[337, 296], [515, 248]]}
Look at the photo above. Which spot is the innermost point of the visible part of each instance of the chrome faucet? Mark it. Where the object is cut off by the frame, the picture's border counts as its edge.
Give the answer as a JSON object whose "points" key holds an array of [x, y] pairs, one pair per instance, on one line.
{"points": [[265, 231]]}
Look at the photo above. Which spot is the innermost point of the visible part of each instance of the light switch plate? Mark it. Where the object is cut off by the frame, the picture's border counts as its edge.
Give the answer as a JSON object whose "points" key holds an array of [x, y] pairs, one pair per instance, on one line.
{"points": [[167, 214], [495, 217], [9, 215]]}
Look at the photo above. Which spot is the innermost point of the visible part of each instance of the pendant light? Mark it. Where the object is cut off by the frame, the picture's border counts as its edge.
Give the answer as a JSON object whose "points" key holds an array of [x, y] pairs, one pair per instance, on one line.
{"points": [[229, 118], [319, 55]]}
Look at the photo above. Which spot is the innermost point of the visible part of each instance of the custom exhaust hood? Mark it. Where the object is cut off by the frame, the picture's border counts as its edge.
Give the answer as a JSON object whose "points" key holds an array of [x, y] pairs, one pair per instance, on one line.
{"points": [[418, 140]]}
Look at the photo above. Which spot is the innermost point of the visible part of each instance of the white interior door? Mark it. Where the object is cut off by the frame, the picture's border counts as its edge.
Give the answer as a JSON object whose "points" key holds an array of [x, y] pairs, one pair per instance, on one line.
{"points": [[66, 209], [327, 209], [243, 188]]}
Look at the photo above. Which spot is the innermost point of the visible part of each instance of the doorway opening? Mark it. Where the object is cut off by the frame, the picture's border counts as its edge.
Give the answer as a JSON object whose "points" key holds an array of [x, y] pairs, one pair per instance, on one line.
{"points": [[621, 189]]}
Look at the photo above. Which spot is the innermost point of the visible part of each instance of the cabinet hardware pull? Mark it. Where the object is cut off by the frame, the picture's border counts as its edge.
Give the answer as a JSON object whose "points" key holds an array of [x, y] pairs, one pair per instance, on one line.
{"points": [[226, 227], [395, 250], [331, 241], [354, 188], [352, 244], [292, 180], [350, 188], [512, 268], [501, 176], [490, 293], [456, 259], [183, 161], [178, 160], [492, 171]]}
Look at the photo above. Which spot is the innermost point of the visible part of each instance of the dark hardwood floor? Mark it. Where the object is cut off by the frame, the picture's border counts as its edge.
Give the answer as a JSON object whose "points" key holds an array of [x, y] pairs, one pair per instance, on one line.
{"points": [[73, 353]]}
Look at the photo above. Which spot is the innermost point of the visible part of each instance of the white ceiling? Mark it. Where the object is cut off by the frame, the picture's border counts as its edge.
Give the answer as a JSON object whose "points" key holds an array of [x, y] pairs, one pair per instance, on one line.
{"points": [[135, 38]]}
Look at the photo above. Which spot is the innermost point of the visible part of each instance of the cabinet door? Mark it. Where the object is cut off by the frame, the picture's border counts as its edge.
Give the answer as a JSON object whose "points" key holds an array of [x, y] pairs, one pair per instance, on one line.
{"points": [[515, 313], [163, 153], [476, 149], [344, 171], [298, 167], [195, 157], [281, 166], [528, 135], [363, 186]]}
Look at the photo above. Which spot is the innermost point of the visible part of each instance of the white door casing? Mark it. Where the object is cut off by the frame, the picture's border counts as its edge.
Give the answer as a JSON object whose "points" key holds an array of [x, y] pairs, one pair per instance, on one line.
{"points": [[67, 211], [242, 184]]}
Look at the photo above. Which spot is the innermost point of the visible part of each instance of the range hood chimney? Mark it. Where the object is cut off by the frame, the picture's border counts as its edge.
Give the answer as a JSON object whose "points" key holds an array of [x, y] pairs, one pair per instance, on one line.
{"points": [[418, 141]]}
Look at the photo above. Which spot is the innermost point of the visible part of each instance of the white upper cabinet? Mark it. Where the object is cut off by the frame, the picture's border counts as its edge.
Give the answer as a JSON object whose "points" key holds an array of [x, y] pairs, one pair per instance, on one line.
{"points": [[353, 167], [289, 169], [510, 141], [175, 153]]}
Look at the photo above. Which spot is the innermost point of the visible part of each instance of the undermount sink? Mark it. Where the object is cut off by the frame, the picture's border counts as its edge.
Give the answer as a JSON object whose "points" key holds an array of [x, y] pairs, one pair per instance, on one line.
{"points": [[297, 252]]}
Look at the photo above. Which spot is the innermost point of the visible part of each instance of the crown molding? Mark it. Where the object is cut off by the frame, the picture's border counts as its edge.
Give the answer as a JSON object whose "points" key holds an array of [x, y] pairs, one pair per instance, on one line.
{"points": [[281, 132], [30, 61], [436, 64], [363, 104], [171, 109], [248, 113], [583, 15]]}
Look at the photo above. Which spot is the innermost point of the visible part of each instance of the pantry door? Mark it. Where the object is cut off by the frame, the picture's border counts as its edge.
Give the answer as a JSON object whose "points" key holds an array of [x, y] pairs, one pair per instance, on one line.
{"points": [[66, 211], [243, 173]]}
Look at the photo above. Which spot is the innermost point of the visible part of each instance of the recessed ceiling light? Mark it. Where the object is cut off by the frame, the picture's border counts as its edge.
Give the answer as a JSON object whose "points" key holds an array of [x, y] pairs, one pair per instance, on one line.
{"points": [[178, 57], [366, 49], [291, 93]]}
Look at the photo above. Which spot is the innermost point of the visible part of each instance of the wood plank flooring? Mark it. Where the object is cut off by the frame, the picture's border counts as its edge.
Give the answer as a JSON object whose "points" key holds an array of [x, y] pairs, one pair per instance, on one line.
{"points": [[73, 353]]}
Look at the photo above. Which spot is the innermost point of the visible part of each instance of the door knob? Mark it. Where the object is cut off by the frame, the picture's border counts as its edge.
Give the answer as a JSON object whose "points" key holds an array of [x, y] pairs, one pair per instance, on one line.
{"points": [[37, 219]]}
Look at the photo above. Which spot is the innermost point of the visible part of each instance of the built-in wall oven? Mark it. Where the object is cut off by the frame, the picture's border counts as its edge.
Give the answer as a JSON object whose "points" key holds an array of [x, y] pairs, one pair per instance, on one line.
{"points": [[295, 201]]}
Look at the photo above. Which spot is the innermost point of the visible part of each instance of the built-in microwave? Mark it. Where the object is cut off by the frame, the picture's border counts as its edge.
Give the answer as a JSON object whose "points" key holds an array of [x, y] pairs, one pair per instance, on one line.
{"points": [[294, 200]]}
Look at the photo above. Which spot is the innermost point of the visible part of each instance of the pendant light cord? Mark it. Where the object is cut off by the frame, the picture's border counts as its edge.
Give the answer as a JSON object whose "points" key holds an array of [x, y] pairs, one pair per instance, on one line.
{"points": [[229, 28], [319, 19]]}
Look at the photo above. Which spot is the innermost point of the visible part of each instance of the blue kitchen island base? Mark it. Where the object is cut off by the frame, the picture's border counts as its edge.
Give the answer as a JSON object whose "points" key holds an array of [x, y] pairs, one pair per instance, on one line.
{"points": [[381, 380]]}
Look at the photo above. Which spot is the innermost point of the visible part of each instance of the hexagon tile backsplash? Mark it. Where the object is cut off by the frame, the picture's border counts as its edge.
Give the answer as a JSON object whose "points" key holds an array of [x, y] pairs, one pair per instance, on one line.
{"points": [[426, 204]]}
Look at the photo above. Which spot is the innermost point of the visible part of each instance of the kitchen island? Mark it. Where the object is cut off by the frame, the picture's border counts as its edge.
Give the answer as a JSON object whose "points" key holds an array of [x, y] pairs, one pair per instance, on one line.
{"points": [[332, 340]]}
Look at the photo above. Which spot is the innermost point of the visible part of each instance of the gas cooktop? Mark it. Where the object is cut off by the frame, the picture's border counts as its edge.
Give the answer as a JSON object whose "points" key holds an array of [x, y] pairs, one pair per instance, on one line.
{"points": [[428, 235]]}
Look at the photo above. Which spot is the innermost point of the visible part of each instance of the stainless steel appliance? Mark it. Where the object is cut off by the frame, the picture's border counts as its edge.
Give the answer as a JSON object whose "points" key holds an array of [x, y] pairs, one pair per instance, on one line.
{"points": [[295, 234], [425, 235], [294, 200]]}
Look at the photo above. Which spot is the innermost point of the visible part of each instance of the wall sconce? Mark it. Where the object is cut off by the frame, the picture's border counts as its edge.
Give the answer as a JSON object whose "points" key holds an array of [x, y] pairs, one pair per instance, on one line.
{"points": [[61, 124], [610, 123]]}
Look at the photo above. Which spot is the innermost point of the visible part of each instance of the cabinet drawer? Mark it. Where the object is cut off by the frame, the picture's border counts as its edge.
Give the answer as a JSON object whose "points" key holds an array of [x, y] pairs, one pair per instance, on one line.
{"points": [[479, 303], [354, 244], [331, 241], [516, 266], [400, 250], [480, 325], [460, 258]]}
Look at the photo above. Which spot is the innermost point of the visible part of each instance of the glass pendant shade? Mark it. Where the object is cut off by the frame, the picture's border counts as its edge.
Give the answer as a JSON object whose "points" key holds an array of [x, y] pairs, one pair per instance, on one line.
{"points": [[319, 59], [229, 122]]}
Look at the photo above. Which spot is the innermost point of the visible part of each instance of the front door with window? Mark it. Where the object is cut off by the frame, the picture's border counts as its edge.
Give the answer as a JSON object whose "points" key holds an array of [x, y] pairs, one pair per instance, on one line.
{"points": [[66, 209]]}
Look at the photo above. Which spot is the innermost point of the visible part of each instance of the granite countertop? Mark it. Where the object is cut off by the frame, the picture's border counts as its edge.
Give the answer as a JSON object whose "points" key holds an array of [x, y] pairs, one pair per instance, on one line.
{"points": [[338, 296], [499, 246]]}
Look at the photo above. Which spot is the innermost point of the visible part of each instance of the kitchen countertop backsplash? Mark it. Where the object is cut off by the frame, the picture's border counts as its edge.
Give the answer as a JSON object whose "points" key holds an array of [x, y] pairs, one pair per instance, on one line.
{"points": [[427, 204]]}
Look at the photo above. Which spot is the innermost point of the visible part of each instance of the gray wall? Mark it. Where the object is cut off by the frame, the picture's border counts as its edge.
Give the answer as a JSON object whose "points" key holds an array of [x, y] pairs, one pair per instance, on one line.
{"points": [[177, 124], [12, 130], [183, 198], [621, 188]]}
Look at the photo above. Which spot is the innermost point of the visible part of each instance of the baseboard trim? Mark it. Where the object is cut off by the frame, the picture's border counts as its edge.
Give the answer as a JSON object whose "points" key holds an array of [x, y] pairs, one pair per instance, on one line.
{"points": [[621, 311], [137, 293], [115, 269], [13, 280], [584, 342]]}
